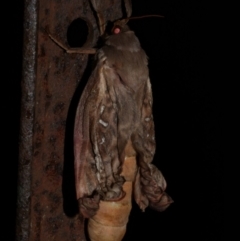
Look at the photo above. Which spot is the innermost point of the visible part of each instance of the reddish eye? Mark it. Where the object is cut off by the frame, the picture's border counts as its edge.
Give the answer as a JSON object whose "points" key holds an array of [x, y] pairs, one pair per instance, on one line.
{"points": [[116, 30]]}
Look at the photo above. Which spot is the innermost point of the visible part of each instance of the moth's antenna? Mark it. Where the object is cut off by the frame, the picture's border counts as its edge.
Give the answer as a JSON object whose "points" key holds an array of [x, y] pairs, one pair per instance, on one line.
{"points": [[147, 16], [144, 16], [139, 17]]}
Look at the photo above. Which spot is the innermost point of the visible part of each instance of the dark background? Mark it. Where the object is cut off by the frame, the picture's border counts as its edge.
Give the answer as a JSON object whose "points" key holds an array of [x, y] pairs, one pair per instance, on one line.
{"points": [[186, 112]]}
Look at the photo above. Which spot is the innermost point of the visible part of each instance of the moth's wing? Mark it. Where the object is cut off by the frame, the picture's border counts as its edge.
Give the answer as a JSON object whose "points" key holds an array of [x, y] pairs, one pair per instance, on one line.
{"points": [[149, 185], [85, 178], [97, 173]]}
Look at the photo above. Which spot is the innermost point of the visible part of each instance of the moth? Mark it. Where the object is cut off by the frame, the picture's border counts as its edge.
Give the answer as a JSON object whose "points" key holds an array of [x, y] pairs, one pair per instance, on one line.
{"points": [[116, 109]]}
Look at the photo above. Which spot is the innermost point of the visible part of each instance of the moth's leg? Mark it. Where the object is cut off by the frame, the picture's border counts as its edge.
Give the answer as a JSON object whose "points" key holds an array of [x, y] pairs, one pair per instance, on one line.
{"points": [[82, 50], [102, 23], [100, 7], [128, 7]]}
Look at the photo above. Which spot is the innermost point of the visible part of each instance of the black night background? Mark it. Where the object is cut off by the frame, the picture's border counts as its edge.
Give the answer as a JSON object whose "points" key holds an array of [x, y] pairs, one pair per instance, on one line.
{"points": [[186, 113]]}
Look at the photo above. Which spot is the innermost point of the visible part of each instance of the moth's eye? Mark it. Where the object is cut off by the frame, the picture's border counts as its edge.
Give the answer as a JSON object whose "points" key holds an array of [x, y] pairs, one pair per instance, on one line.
{"points": [[116, 30]]}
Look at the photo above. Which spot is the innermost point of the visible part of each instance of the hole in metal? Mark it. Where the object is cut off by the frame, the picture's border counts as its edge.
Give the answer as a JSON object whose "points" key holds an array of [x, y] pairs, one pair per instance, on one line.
{"points": [[77, 33]]}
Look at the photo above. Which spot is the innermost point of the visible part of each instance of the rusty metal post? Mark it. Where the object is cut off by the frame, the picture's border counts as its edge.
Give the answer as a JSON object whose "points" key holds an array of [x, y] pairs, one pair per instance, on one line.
{"points": [[47, 207], [27, 111]]}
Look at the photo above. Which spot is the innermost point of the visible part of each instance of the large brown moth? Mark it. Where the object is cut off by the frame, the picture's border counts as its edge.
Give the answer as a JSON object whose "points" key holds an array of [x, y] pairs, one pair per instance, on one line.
{"points": [[115, 109]]}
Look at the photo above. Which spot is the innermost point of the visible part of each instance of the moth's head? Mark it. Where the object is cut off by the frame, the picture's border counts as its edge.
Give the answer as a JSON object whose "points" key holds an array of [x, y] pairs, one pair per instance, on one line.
{"points": [[117, 27], [121, 37]]}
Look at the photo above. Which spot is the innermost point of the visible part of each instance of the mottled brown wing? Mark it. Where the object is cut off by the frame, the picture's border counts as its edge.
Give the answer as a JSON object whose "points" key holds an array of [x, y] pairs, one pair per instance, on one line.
{"points": [[95, 142], [149, 185]]}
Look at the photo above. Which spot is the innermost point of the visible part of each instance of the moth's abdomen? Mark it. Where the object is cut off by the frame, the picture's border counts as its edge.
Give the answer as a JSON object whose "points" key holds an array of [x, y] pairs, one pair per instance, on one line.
{"points": [[109, 223]]}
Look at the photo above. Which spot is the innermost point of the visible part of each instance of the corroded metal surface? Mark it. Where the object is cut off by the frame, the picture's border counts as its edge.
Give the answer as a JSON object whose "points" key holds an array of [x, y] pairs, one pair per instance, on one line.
{"points": [[27, 118], [47, 206]]}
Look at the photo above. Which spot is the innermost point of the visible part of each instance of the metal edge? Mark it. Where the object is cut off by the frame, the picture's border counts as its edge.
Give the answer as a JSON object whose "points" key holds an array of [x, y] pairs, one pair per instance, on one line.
{"points": [[27, 120]]}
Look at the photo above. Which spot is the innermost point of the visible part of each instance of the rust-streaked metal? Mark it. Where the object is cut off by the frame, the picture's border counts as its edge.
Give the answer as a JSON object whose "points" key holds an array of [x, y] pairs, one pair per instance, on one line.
{"points": [[47, 206]]}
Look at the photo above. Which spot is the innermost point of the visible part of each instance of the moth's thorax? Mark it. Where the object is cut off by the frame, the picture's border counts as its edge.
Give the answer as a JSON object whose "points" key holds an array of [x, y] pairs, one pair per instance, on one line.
{"points": [[122, 52], [124, 41]]}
